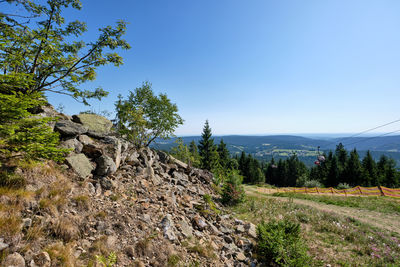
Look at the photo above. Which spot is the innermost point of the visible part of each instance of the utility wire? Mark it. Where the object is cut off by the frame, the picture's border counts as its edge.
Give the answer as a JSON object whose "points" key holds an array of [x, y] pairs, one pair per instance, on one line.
{"points": [[366, 131], [363, 140]]}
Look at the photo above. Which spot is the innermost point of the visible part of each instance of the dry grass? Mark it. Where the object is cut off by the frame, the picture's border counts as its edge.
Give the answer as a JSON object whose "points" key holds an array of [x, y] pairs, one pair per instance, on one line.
{"points": [[82, 201], [62, 255], [66, 228]]}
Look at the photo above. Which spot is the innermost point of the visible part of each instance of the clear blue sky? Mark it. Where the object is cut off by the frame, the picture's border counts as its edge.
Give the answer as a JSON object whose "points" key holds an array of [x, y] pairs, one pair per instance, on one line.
{"points": [[259, 66]]}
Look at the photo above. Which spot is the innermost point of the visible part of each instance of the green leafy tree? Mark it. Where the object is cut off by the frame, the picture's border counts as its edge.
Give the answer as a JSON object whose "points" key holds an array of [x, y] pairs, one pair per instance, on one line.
{"points": [[207, 150], [22, 135], [143, 117], [40, 52]]}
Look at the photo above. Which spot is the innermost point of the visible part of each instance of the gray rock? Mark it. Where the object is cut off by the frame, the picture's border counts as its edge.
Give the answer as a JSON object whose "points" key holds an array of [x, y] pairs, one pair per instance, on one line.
{"points": [[167, 225], [80, 164], [85, 140], [251, 230], [73, 144], [105, 166], [240, 229], [14, 260], [186, 229], [69, 128], [94, 123], [91, 188], [106, 184], [3, 245], [199, 222], [164, 157], [240, 256]]}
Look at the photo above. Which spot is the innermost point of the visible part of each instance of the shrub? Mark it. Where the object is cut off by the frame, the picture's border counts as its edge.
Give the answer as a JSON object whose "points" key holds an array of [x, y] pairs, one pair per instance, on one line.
{"points": [[313, 183], [279, 242], [232, 190], [23, 135], [11, 180], [343, 186]]}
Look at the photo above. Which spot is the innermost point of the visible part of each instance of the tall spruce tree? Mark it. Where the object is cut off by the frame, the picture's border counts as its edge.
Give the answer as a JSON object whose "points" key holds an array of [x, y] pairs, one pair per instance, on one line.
{"points": [[223, 153], [207, 149], [353, 171], [369, 170]]}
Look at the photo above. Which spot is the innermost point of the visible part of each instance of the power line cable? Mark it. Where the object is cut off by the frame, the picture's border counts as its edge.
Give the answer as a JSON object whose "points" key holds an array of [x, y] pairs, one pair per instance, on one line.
{"points": [[359, 141], [366, 131]]}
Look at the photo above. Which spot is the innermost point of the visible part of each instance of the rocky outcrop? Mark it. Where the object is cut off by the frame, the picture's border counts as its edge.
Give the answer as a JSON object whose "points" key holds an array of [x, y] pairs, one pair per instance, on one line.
{"points": [[94, 123], [143, 204]]}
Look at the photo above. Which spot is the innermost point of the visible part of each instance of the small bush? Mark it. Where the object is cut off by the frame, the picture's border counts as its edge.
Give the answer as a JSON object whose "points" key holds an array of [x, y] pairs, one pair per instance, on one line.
{"points": [[232, 190], [343, 186], [11, 180], [313, 183], [280, 243]]}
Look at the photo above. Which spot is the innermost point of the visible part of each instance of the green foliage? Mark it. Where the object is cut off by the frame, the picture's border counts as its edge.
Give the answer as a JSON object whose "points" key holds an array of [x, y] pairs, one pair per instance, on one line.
{"points": [[24, 135], [207, 149], [232, 190], [109, 261], [39, 50], [143, 117], [11, 180], [343, 186], [185, 154], [281, 243]]}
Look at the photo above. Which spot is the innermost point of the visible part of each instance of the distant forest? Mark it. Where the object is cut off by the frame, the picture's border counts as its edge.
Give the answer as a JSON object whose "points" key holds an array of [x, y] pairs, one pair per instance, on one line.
{"points": [[336, 168]]}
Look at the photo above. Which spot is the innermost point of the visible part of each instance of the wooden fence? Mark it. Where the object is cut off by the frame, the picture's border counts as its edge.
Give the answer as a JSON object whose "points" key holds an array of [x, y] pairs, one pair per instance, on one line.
{"points": [[355, 191]]}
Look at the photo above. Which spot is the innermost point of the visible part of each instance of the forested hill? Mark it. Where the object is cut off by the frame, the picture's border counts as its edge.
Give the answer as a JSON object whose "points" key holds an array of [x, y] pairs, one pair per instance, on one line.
{"points": [[281, 146]]}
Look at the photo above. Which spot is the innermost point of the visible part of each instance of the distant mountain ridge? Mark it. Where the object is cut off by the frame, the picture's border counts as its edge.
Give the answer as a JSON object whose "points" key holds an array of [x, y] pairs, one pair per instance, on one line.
{"points": [[280, 146]]}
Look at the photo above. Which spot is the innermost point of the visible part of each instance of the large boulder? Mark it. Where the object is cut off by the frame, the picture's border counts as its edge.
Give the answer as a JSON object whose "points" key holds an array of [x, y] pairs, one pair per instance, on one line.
{"points": [[69, 128], [80, 164], [105, 166], [95, 123]]}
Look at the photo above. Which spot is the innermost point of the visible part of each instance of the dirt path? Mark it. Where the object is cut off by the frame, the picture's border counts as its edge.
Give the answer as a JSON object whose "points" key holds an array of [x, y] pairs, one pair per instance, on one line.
{"points": [[386, 221]]}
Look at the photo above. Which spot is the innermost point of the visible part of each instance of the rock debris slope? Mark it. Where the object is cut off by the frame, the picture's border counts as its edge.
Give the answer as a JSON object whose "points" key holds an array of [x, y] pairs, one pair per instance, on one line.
{"points": [[145, 206]]}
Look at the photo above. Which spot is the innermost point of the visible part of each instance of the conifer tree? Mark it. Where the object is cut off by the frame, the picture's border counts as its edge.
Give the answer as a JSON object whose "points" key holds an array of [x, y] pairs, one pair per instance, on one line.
{"points": [[223, 153], [353, 169], [195, 154], [333, 175], [207, 149], [369, 170]]}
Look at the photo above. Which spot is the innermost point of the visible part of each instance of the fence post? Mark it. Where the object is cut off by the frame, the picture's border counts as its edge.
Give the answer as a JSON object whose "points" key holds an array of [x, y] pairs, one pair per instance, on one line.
{"points": [[305, 189], [345, 193], [317, 190], [332, 190], [359, 189], [380, 189]]}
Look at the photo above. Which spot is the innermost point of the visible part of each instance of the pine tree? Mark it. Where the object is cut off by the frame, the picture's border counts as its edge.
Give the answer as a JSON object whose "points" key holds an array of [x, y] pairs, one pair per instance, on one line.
{"points": [[207, 149], [223, 153], [369, 170], [195, 154], [353, 170], [341, 154], [333, 175]]}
